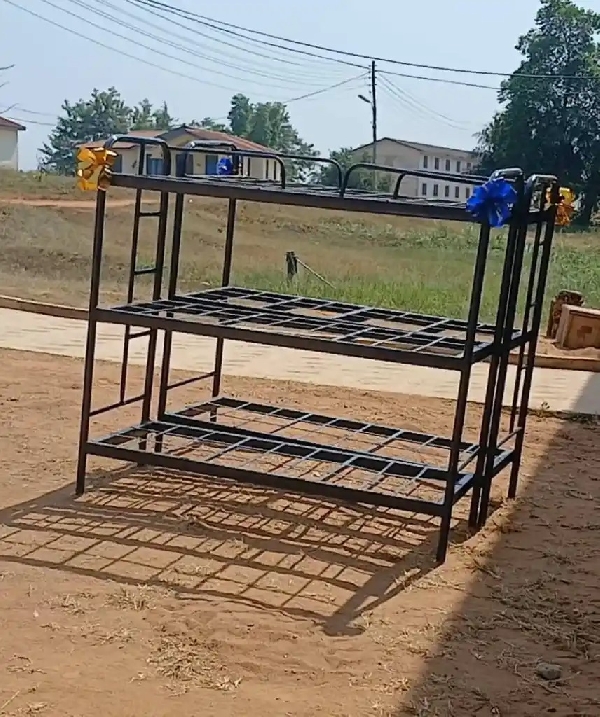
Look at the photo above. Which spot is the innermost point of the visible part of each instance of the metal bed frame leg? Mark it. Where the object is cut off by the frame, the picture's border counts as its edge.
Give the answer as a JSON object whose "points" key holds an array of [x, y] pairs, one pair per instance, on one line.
{"points": [[511, 310], [484, 434], [528, 375], [90, 348], [225, 280], [487, 439], [463, 391]]}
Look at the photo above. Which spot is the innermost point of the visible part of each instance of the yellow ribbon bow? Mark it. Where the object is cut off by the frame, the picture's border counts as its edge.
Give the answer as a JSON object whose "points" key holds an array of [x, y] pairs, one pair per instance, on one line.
{"points": [[93, 168], [565, 208]]}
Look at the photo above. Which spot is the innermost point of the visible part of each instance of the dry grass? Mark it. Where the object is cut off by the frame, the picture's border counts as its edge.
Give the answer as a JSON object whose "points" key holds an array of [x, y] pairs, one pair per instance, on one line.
{"points": [[391, 261]]}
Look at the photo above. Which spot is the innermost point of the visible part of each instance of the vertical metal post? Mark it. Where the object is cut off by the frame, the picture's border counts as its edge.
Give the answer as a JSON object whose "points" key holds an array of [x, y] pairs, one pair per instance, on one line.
{"points": [[522, 213], [171, 292], [531, 284], [484, 434], [225, 279], [535, 329], [135, 239], [159, 266], [90, 346], [463, 390]]}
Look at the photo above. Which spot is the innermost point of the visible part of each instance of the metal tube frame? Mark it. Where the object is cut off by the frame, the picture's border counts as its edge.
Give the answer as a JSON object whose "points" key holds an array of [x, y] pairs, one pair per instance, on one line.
{"points": [[490, 455]]}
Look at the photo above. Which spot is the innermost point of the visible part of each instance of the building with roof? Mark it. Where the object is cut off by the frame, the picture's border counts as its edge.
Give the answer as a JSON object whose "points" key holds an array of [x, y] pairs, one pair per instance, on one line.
{"points": [[199, 163], [9, 143], [414, 155]]}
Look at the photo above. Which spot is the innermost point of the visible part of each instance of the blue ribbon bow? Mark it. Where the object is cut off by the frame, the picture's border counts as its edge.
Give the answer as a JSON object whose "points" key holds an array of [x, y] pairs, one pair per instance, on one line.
{"points": [[493, 202], [225, 166]]}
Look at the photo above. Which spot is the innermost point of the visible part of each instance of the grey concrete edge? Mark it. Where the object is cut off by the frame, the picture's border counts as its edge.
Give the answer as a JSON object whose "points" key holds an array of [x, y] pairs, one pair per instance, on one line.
{"points": [[71, 312]]}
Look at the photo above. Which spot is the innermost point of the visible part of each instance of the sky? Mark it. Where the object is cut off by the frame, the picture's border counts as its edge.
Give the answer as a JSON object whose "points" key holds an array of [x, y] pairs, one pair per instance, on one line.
{"points": [[52, 64]]}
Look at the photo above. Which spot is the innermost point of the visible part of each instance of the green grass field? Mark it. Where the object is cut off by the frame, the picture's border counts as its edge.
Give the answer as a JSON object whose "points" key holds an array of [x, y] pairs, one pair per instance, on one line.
{"points": [[417, 265]]}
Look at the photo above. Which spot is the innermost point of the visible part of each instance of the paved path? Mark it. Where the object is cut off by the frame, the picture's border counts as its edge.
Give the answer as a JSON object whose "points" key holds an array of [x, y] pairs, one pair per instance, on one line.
{"points": [[560, 390]]}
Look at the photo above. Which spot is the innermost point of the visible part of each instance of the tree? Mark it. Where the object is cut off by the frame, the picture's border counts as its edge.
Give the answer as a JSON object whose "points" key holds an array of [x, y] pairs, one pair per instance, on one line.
{"points": [[240, 115], [268, 124], [552, 124], [211, 124], [359, 179], [144, 116], [97, 118]]}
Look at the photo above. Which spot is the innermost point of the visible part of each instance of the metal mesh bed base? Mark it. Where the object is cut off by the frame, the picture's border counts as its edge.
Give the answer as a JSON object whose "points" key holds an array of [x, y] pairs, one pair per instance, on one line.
{"points": [[268, 445], [315, 324]]}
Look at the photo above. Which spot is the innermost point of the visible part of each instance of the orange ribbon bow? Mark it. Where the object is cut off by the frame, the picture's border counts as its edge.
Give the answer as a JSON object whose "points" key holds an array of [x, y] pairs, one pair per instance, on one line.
{"points": [[93, 168]]}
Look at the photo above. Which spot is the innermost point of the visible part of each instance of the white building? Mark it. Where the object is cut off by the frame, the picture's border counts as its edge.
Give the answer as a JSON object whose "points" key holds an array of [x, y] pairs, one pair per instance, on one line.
{"points": [[413, 155], [9, 143]]}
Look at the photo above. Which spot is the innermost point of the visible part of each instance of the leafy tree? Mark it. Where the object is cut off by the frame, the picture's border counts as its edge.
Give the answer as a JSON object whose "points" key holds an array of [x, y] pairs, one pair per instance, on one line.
{"points": [[553, 125], [144, 116], [209, 123], [269, 124], [105, 113], [360, 179], [240, 115], [97, 118]]}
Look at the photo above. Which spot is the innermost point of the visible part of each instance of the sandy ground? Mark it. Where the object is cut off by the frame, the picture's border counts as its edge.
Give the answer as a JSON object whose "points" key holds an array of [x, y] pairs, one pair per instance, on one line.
{"points": [[154, 595], [547, 347]]}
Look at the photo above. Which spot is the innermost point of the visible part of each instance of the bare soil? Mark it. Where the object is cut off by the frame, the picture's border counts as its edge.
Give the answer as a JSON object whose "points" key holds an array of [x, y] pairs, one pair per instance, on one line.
{"points": [[157, 595], [547, 347]]}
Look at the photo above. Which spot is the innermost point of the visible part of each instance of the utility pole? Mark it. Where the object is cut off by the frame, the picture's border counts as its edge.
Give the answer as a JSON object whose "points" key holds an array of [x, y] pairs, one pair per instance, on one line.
{"points": [[374, 109], [372, 101]]}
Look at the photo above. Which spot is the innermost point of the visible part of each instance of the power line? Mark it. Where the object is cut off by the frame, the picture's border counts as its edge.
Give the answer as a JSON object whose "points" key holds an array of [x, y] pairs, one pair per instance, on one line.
{"points": [[325, 89], [407, 100], [442, 80], [194, 52], [270, 57], [216, 119], [34, 112], [198, 19], [189, 16], [30, 121], [122, 53], [346, 53], [154, 49]]}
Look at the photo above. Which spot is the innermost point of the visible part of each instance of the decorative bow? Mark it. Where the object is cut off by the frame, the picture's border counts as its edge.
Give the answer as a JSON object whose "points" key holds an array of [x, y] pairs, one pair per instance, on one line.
{"points": [[225, 166], [493, 202], [565, 208], [93, 168]]}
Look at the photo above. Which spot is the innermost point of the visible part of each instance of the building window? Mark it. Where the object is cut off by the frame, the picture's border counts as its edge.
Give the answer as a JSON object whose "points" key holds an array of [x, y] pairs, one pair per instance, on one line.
{"points": [[436, 163], [447, 190], [457, 192], [467, 192], [447, 165], [469, 165], [436, 190], [425, 162], [458, 166], [424, 189]]}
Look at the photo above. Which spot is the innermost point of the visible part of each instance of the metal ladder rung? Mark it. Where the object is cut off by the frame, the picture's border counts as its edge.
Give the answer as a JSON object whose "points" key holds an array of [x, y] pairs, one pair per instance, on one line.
{"points": [[147, 270], [150, 214], [138, 334]]}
